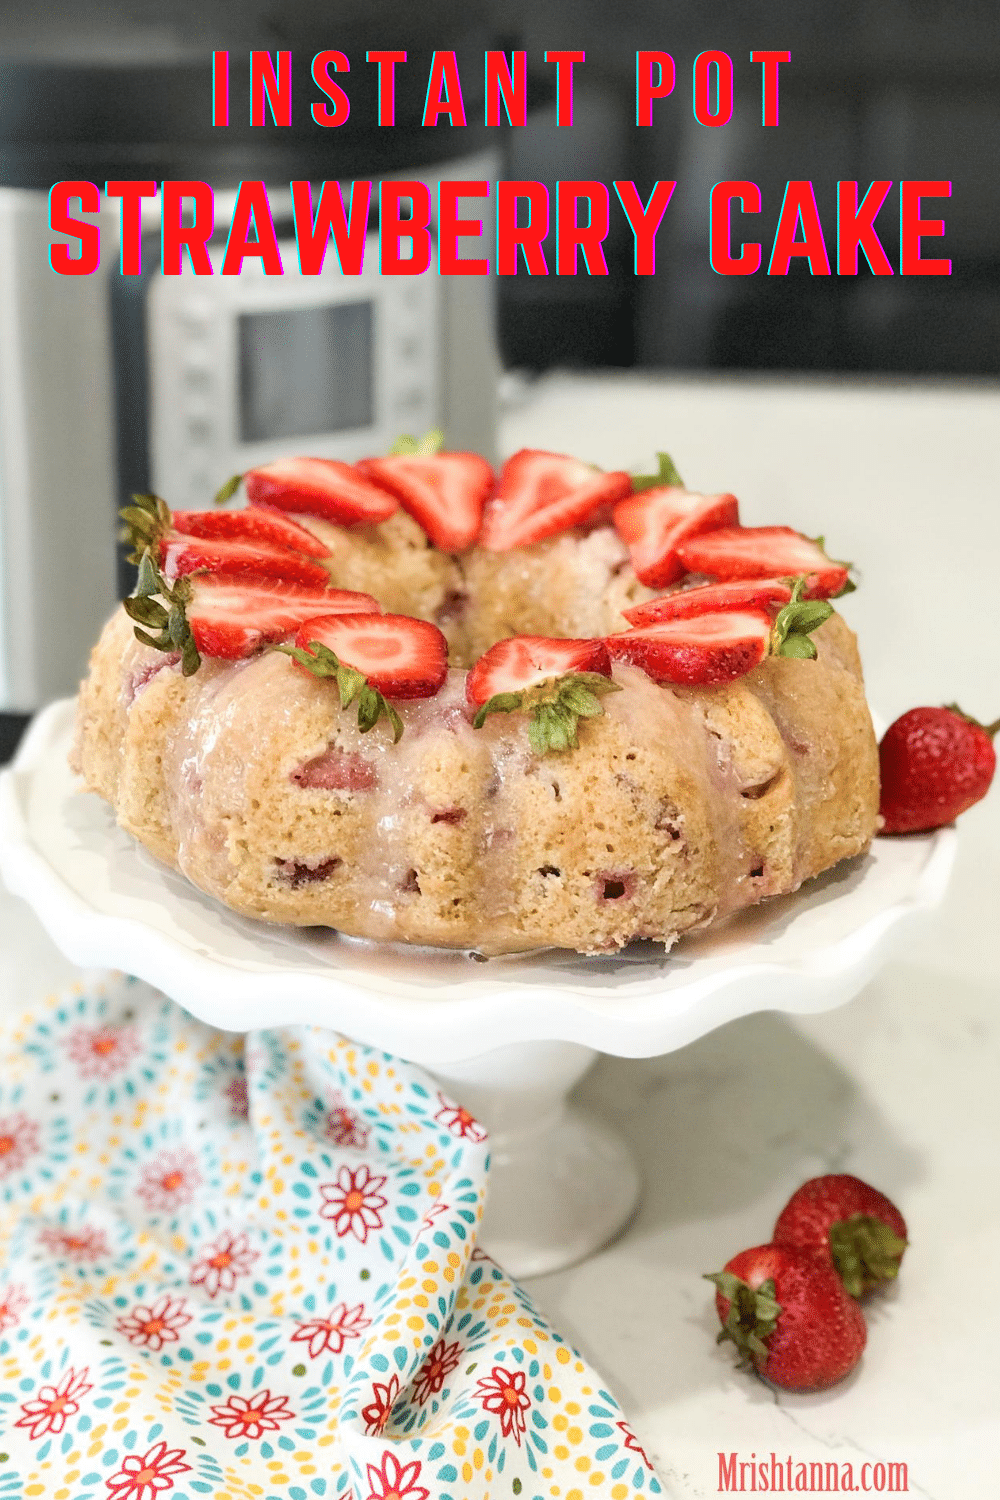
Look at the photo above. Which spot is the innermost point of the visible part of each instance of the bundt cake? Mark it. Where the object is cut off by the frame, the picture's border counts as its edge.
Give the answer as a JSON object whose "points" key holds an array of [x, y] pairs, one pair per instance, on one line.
{"points": [[412, 702]]}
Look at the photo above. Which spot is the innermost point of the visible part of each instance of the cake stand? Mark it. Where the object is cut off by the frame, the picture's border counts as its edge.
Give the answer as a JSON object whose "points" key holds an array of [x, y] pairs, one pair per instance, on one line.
{"points": [[508, 1037]]}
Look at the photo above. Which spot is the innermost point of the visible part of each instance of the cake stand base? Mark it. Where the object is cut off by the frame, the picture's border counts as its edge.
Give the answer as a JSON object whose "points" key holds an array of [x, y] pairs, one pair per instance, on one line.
{"points": [[562, 1183]]}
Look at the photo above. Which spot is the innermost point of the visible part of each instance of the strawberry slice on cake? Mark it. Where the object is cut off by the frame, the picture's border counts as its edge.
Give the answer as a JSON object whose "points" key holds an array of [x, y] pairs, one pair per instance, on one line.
{"points": [[654, 524], [372, 658], [443, 492], [541, 494], [398, 655], [557, 682], [324, 487], [250, 560], [710, 598], [704, 651], [256, 523], [764, 551]]}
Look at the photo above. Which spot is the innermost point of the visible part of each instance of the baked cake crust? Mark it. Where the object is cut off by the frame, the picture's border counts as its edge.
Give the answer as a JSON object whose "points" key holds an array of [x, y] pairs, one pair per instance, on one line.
{"points": [[680, 805]]}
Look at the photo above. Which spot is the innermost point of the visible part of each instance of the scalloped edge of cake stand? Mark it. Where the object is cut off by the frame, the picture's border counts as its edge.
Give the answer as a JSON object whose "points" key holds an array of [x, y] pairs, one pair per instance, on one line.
{"points": [[509, 1037]]}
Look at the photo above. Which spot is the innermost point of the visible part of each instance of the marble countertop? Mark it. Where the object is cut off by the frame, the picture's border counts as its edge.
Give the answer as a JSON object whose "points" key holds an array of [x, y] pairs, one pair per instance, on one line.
{"points": [[900, 1086]]}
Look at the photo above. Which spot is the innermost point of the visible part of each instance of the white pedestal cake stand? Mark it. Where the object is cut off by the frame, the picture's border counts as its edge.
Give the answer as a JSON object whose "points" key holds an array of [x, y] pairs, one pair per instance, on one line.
{"points": [[508, 1037]]}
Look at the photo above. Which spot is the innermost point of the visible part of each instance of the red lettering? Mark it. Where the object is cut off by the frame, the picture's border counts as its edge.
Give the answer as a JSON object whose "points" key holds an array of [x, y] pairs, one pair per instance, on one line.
{"points": [[253, 208], [799, 206], [571, 235], [645, 89], [444, 91], [912, 228], [644, 220], [220, 88], [702, 88], [450, 228], [130, 224], [720, 253], [322, 63], [194, 238], [769, 62], [529, 236], [393, 228], [511, 87], [856, 228], [564, 83], [386, 83], [348, 229], [274, 87], [89, 235]]}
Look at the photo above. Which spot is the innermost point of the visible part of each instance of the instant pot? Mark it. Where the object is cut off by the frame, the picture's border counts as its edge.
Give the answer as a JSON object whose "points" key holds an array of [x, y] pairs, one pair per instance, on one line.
{"points": [[112, 383]]}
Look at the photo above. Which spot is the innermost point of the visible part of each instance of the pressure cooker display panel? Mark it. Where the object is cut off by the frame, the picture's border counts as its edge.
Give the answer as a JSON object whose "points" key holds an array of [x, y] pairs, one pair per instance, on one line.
{"points": [[307, 370]]}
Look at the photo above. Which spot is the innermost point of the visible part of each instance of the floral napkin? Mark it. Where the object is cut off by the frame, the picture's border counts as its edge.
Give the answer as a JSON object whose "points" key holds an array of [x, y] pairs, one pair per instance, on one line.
{"points": [[246, 1268]]}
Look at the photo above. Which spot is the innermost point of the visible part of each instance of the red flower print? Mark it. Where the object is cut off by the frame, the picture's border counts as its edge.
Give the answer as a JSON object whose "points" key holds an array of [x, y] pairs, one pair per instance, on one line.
{"points": [[18, 1141], [435, 1369], [149, 1476], [631, 1441], [242, 1418], [102, 1051], [75, 1244], [353, 1202], [221, 1263], [343, 1126], [395, 1481], [169, 1180], [47, 1412], [13, 1301], [502, 1392], [376, 1413], [333, 1332], [157, 1325], [435, 1211], [239, 1097], [459, 1121]]}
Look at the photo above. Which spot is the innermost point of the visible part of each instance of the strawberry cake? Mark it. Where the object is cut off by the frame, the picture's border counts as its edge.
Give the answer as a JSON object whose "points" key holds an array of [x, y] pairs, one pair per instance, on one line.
{"points": [[417, 701]]}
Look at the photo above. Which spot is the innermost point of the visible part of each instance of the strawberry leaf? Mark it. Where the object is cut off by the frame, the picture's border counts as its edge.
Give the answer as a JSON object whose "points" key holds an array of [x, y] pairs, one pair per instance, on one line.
{"points": [[752, 1316], [865, 1251], [555, 706], [147, 519], [352, 686], [431, 442], [228, 490], [164, 609], [794, 624], [667, 475]]}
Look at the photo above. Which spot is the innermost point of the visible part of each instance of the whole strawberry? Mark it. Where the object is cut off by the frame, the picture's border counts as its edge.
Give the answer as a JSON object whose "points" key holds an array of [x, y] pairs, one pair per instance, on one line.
{"points": [[935, 763], [786, 1311], [849, 1223]]}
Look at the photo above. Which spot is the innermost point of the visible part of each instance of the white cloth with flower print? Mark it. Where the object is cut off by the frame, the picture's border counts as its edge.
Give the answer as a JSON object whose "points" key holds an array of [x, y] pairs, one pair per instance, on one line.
{"points": [[245, 1268]]}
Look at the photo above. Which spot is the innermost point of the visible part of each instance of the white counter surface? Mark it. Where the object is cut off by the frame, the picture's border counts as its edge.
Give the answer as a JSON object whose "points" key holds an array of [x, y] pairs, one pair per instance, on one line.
{"points": [[899, 1087]]}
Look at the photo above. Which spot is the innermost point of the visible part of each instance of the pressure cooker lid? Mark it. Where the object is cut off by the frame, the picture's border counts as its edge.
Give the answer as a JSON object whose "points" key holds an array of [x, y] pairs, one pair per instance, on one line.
{"points": [[89, 91]]}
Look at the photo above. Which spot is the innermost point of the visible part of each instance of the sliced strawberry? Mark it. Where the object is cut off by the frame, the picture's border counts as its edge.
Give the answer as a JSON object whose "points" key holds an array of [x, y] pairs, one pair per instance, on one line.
{"points": [[762, 551], [541, 494], [180, 555], [704, 651], [233, 620], [653, 523], [710, 598], [400, 657], [322, 487], [257, 523], [444, 492], [518, 663]]}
